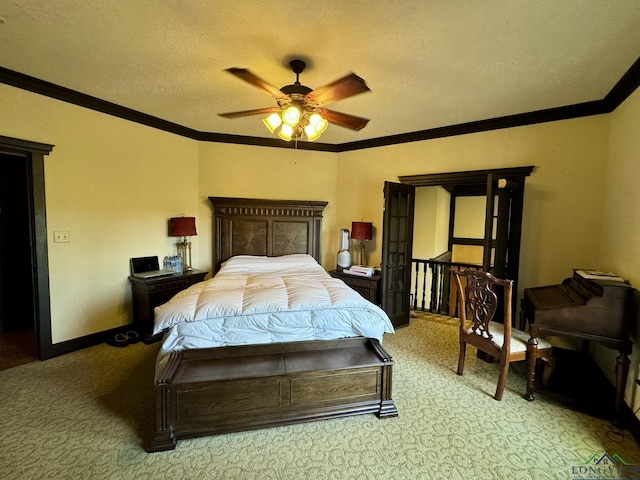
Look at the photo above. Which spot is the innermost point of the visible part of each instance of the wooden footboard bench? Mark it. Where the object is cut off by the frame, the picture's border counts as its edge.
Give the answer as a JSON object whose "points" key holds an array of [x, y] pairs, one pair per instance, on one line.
{"points": [[230, 389]]}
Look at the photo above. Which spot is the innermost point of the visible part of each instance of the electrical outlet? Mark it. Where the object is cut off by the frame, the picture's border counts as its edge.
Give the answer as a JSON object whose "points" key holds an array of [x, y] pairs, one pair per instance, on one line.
{"points": [[61, 237]]}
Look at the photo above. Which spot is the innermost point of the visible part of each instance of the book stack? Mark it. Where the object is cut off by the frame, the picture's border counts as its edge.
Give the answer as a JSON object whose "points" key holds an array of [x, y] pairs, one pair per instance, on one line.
{"points": [[596, 275], [361, 270]]}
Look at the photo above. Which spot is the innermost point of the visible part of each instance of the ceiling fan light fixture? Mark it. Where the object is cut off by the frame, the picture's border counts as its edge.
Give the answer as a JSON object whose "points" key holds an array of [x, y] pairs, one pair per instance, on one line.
{"points": [[272, 122], [311, 132], [315, 127], [314, 118], [286, 132], [300, 108], [291, 116], [319, 124]]}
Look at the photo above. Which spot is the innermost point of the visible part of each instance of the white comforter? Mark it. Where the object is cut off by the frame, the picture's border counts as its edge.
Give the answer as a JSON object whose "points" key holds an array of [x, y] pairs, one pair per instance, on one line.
{"points": [[266, 300]]}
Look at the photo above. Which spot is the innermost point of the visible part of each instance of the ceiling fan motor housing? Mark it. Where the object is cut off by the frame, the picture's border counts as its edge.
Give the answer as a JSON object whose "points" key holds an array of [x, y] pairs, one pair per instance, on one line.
{"points": [[296, 88]]}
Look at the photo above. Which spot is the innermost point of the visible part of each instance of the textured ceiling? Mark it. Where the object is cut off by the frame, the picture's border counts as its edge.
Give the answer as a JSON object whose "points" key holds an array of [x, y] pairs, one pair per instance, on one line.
{"points": [[429, 63]]}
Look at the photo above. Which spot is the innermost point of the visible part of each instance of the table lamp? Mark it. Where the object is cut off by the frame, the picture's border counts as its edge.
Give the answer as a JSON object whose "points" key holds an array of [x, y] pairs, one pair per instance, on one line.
{"points": [[360, 231], [183, 227]]}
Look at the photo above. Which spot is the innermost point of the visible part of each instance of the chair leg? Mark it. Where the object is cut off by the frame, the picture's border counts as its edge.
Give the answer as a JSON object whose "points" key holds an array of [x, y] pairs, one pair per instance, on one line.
{"points": [[502, 380], [463, 351]]}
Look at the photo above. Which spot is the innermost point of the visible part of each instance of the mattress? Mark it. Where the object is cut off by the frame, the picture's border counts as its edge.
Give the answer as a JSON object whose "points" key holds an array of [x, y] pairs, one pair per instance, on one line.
{"points": [[256, 300]]}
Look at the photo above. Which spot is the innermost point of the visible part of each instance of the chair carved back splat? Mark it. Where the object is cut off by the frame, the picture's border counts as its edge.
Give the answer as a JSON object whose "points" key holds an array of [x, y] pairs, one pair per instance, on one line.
{"points": [[478, 302], [482, 301]]}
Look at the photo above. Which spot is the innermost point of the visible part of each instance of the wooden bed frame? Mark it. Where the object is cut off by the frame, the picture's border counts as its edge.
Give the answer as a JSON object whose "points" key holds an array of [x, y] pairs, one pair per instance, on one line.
{"points": [[229, 389]]}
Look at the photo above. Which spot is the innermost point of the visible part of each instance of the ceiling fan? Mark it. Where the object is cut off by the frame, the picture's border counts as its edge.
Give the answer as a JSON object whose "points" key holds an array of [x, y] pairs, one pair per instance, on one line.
{"points": [[300, 110]]}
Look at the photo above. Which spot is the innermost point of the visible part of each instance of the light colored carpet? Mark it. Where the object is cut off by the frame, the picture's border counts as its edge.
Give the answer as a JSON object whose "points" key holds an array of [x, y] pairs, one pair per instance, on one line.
{"points": [[88, 414]]}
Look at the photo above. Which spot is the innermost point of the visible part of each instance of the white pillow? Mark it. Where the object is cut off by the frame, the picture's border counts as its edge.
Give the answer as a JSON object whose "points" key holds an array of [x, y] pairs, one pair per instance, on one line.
{"points": [[257, 264]]}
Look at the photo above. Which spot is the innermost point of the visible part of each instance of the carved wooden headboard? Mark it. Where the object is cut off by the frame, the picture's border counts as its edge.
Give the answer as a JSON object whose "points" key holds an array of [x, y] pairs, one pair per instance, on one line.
{"points": [[249, 226]]}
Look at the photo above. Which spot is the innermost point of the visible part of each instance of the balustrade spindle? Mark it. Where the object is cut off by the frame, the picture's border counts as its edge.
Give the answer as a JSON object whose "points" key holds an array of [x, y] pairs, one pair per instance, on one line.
{"points": [[440, 268]]}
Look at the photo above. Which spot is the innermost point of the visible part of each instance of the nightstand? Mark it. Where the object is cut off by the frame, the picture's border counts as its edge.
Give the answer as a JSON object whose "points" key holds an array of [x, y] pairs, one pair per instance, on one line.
{"points": [[368, 287], [148, 293]]}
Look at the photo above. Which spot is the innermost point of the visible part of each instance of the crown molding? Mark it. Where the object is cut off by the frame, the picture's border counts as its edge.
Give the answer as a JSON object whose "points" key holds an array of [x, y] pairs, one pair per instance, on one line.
{"points": [[629, 82]]}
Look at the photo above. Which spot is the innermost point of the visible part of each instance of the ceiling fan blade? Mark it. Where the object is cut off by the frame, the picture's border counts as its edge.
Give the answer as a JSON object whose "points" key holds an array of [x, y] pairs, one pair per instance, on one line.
{"points": [[256, 81], [345, 87], [245, 113], [344, 120]]}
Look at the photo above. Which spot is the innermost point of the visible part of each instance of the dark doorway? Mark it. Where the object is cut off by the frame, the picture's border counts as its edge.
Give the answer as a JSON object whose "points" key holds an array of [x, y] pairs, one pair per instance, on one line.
{"points": [[16, 284], [504, 191], [25, 314], [17, 303]]}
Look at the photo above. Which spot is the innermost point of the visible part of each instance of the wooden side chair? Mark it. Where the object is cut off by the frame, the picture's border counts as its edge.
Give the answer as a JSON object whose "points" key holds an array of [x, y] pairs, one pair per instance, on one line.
{"points": [[477, 306]]}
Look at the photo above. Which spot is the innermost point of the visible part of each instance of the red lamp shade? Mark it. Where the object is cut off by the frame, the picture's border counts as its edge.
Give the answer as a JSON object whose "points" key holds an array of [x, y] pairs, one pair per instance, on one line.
{"points": [[361, 230], [182, 227]]}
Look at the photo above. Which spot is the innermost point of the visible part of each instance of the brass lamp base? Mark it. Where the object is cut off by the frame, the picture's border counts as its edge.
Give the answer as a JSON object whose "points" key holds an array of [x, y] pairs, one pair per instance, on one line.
{"points": [[184, 250]]}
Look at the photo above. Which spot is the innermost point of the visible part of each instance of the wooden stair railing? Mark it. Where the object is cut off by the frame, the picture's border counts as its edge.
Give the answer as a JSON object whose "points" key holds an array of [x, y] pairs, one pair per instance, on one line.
{"points": [[433, 275]]}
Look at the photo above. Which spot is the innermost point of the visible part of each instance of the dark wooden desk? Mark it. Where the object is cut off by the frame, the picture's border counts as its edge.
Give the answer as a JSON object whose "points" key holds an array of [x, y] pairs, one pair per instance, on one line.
{"points": [[601, 311], [150, 292]]}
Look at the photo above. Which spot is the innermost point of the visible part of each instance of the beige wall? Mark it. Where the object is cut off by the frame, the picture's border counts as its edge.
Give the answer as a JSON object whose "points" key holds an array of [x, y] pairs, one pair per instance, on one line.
{"points": [[270, 173], [425, 218], [620, 232], [430, 233], [469, 223], [620, 245], [563, 196], [113, 184]]}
